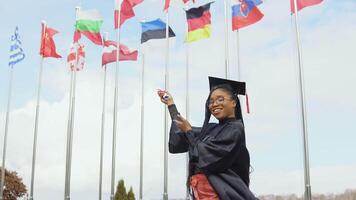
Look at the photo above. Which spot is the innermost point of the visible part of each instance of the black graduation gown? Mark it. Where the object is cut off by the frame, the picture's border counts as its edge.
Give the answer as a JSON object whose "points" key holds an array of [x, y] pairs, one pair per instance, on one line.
{"points": [[219, 152]]}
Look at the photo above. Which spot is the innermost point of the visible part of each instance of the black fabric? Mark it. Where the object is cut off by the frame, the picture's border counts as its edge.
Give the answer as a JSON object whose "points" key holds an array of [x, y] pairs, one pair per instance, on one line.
{"points": [[173, 111], [194, 13], [220, 153], [239, 88], [156, 34], [224, 121]]}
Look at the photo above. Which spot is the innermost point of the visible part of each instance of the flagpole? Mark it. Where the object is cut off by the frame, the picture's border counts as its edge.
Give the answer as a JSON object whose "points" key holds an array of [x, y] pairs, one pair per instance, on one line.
{"points": [[226, 40], [142, 125], [102, 125], [6, 132], [115, 105], [238, 54], [37, 118], [71, 123], [72, 127], [307, 193], [187, 194], [187, 114], [68, 135], [166, 81]]}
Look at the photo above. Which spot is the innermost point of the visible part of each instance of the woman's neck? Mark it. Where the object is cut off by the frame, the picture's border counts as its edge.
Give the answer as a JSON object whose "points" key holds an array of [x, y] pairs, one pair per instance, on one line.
{"points": [[226, 120]]}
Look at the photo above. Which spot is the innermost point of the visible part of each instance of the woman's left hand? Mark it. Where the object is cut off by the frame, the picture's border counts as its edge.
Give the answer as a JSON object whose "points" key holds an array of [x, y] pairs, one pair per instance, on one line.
{"points": [[183, 124]]}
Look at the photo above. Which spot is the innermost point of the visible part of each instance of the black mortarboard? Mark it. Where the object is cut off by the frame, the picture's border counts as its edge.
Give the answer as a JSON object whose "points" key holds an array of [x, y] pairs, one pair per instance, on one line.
{"points": [[239, 88]]}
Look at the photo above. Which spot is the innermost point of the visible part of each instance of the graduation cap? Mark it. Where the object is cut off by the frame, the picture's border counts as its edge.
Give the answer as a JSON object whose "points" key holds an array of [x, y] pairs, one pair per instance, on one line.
{"points": [[239, 88]]}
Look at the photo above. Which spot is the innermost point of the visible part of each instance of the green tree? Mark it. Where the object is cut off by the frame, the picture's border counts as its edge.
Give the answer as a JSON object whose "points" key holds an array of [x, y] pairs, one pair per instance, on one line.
{"points": [[14, 188], [130, 194], [121, 191]]}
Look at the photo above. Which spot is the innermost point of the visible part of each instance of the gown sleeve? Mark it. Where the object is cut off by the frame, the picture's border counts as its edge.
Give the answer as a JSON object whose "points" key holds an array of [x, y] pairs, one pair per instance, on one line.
{"points": [[216, 154], [178, 141]]}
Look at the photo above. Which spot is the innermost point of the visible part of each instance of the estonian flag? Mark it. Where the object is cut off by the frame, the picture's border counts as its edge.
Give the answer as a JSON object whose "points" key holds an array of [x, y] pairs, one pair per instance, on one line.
{"points": [[155, 29], [199, 23]]}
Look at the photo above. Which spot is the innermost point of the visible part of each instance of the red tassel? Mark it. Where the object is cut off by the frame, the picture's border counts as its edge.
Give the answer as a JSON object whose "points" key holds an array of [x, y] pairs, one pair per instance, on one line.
{"points": [[247, 104]]}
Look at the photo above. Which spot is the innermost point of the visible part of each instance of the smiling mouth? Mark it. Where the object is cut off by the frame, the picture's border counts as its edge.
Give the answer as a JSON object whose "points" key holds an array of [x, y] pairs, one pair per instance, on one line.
{"points": [[216, 111]]}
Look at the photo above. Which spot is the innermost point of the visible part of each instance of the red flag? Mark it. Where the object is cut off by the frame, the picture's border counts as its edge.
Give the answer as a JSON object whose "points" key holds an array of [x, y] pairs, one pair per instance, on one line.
{"points": [[110, 51], [166, 5], [48, 47], [76, 37], [134, 2], [303, 3], [168, 2], [126, 11]]}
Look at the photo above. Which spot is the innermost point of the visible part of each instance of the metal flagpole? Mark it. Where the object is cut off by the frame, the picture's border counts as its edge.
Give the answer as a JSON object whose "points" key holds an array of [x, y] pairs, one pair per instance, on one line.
{"points": [[66, 191], [115, 105], [307, 193], [37, 119], [102, 127], [238, 54], [187, 113], [72, 129], [226, 40], [71, 124], [187, 194], [166, 81], [142, 125], [5, 135]]}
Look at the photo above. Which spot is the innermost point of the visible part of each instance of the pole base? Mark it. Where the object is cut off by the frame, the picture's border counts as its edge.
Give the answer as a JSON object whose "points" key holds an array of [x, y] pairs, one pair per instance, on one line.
{"points": [[165, 196], [308, 194]]}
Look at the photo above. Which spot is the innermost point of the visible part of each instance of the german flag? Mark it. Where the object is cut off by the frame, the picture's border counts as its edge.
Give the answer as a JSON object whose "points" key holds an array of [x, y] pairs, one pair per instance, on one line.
{"points": [[199, 23]]}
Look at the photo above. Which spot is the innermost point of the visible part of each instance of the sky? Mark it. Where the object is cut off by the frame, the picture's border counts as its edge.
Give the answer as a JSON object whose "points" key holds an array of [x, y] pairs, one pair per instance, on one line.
{"points": [[268, 65]]}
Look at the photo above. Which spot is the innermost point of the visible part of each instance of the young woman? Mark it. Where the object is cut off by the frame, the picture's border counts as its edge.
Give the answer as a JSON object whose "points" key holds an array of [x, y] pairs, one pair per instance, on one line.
{"points": [[219, 161]]}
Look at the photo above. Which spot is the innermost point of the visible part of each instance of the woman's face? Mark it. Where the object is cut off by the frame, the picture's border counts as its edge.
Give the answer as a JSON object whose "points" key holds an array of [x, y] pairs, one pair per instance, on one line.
{"points": [[221, 105]]}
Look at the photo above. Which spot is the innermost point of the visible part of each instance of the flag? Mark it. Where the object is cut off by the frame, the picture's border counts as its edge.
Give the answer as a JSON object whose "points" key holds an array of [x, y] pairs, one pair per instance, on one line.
{"points": [[48, 47], [167, 3], [303, 3], [16, 51], [76, 57], [110, 51], [126, 11], [88, 23], [245, 13], [155, 29], [199, 23]]}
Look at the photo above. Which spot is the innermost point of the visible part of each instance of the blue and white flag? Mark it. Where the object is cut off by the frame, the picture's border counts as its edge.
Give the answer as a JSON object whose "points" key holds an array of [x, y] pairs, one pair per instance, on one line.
{"points": [[16, 51]]}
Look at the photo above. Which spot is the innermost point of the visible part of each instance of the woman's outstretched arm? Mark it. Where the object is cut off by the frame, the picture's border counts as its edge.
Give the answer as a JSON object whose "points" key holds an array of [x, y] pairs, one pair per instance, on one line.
{"points": [[178, 142]]}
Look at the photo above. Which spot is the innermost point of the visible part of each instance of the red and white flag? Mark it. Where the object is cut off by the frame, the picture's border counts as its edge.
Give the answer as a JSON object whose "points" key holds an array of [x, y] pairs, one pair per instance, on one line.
{"points": [[167, 3], [126, 11], [110, 53], [304, 3], [76, 57]]}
